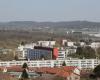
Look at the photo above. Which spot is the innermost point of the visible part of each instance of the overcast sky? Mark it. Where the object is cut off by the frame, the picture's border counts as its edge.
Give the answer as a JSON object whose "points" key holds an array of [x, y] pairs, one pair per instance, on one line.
{"points": [[49, 10]]}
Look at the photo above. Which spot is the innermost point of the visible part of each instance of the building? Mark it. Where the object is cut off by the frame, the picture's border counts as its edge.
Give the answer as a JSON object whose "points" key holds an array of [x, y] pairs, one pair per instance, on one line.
{"points": [[46, 43], [70, 44], [95, 45], [39, 53], [64, 52], [71, 50], [80, 63], [82, 44], [28, 46], [61, 54], [53, 51], [66, 72], [64, 42]]}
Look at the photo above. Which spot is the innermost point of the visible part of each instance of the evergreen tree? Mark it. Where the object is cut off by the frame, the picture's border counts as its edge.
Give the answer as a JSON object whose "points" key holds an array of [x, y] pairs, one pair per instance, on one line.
{"points": [[24, 74], [25, 65], [64, 64], [96, 73]]}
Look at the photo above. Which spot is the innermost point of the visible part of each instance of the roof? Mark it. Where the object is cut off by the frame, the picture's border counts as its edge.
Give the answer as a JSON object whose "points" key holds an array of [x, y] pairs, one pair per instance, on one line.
{"points": [[63, 71], [5, 76]]}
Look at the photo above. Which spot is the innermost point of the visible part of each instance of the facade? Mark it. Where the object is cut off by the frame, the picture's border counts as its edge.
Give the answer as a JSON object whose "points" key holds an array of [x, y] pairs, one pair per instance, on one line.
{"points": [[71, 50], [46, 43], [70, 44], [64, 42], [80, 63], [53, 51], [37, 54], [61, 54], [82, 43], [95, 45], [29, 46]]}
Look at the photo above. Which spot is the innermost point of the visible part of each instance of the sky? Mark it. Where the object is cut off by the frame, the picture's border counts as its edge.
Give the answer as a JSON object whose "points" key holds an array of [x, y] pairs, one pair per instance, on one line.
{"points": [[49, 10]]}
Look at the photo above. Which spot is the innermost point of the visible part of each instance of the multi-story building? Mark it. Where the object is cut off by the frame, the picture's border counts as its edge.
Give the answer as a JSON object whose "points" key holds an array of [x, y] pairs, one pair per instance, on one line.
{"points": [[40, 53], [80, 63], [64, 52], [37, 54], [61, 54]]}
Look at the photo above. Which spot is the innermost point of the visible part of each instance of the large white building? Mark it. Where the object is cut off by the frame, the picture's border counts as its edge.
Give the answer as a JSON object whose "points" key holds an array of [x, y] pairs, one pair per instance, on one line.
{"points": [[81, 63]]}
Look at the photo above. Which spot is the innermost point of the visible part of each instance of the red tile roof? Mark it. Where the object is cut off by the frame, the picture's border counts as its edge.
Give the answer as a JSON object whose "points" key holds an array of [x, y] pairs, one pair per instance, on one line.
{"points": [[5, 76], [61, 71]]}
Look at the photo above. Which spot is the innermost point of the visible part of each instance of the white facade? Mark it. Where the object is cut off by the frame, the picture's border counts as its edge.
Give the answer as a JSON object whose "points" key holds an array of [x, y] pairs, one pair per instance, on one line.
{"points": [[46, 43], [64, 42], [71, 50], [82, 43], [70, 44], [95, 45], [61, 54], [80, 63], [30, 46]]}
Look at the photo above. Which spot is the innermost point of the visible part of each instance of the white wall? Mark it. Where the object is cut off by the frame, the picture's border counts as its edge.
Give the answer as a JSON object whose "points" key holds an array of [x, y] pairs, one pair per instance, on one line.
{"points": [[47, 43], [80, 63]]}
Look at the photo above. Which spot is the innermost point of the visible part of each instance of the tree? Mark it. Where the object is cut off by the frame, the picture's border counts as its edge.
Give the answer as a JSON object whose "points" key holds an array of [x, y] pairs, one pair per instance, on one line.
{"points": [[22, 43], [24, 75], [89, 52], [16, 57], [25, 65], [96, 73], [84, 52], [98, 52], [64, 64], [79, 51], [42, 56]]}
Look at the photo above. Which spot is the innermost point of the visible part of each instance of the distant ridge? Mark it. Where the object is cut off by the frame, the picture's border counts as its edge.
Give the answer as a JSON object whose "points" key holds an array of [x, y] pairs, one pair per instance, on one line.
{"points": [[62, 24]]}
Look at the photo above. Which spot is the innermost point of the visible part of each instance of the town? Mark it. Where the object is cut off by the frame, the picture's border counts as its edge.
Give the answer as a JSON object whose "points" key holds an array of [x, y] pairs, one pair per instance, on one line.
{"points": [[49, 57]]}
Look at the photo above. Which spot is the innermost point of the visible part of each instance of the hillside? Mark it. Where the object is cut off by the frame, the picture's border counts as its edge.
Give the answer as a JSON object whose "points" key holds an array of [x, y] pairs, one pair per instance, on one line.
{"points": [[29, 25]]}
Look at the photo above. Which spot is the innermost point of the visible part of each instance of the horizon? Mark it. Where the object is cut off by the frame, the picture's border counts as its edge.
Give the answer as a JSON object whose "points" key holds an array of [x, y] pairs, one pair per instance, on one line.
{"points": [[48, 21]]}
